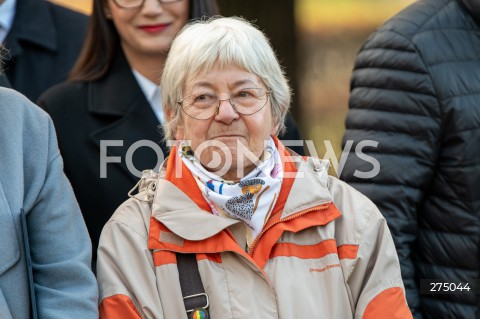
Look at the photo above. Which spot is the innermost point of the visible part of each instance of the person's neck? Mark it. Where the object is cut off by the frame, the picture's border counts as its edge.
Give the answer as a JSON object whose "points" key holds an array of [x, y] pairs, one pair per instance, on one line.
{"points": [[150, 66], [232, 174]]}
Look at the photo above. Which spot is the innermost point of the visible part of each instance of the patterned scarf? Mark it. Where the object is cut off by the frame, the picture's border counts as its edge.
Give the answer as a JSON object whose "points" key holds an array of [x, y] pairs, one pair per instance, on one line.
{"points": [[251, 200]]}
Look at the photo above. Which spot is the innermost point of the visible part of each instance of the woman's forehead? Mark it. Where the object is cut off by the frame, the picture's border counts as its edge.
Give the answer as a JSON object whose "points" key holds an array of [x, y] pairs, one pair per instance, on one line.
{"points": [[233, 75]]}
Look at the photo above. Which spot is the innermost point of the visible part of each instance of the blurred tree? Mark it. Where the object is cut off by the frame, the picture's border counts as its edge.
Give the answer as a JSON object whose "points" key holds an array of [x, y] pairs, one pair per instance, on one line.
{"points": [[277, 20]]}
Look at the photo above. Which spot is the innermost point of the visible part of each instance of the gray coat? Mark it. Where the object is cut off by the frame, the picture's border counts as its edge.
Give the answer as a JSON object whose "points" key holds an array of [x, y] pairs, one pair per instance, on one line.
{"points": [[32, 179]]}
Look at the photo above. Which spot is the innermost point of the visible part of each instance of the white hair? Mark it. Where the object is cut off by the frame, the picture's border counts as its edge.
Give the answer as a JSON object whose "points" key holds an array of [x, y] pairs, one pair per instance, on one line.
{"points": [[230, 42]]}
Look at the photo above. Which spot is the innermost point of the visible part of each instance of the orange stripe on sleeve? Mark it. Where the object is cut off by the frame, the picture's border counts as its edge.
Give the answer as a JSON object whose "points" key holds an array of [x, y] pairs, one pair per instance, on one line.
{"points": [[390, 303], [118, 307], [347, 251]]}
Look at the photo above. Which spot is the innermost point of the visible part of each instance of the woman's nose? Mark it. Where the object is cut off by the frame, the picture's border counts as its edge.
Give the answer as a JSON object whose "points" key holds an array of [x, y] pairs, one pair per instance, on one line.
{"points": [[226, 112], [152, 7]]}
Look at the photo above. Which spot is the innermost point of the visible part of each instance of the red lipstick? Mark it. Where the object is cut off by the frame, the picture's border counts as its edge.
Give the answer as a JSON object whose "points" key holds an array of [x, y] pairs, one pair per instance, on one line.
{"points": [[154, 27]]}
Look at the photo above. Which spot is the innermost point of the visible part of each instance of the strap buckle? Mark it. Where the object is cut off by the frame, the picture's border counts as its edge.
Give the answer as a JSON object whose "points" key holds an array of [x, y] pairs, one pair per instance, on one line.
{"points": [[207, 302]]}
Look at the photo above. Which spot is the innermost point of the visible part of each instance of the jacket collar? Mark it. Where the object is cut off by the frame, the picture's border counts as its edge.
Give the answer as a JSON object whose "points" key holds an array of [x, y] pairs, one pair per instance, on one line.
{"points": [[38, 28], [307, 191], [114, 93], [473, 7], [179, 204]]}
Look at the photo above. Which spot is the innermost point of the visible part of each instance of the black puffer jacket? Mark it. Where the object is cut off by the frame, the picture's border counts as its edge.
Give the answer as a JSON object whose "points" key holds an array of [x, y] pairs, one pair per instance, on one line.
{"points": [[416, 91]]}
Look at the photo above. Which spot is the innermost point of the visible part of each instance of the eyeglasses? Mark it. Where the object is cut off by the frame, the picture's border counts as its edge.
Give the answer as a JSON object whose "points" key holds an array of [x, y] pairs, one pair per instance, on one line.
{"points": [[203, 106], [133, 4]]}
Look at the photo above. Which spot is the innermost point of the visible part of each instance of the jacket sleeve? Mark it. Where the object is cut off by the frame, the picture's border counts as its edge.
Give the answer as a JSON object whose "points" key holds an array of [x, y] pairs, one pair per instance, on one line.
{"points": [[375, 280], [393, 124], [125, 270], [65, 286]]}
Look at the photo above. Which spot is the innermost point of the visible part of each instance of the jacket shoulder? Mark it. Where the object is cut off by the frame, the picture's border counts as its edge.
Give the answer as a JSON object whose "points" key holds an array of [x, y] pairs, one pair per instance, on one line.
{"points": [[134, 215], [425, 16], [135, 212], [16, 108], [357, 210], [62, 96]]}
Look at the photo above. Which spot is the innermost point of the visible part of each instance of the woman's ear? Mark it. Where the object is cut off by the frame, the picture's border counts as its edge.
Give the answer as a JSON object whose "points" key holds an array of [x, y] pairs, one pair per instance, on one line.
{"points": [[107, 11], [169, 116], [169, 113]]}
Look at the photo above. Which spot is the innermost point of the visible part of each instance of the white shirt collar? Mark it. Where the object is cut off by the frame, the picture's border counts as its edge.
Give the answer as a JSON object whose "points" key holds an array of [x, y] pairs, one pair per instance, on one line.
{"points": [[153, 94], [7, 13]]}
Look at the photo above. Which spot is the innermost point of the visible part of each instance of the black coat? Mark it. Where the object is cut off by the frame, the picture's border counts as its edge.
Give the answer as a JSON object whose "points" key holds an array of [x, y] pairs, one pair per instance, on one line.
{"points": [[112, 108], [43, 43], [416, 91]]}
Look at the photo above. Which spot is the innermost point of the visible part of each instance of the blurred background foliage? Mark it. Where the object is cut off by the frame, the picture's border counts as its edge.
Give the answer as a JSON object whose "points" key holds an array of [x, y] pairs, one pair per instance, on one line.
{"points": [[317, 41]]}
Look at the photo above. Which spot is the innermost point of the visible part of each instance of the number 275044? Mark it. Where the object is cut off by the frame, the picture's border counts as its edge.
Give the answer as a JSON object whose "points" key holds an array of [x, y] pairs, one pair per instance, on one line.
{"points": [[449, 286]]}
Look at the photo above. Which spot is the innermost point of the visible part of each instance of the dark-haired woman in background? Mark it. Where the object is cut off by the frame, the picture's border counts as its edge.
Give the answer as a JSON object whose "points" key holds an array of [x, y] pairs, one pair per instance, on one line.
{"points": [[107, 116]]}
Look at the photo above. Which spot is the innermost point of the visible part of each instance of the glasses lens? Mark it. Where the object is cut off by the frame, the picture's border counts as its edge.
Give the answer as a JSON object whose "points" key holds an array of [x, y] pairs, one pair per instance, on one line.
{"points": [[128, 4], [201, 106], [249, 101]]}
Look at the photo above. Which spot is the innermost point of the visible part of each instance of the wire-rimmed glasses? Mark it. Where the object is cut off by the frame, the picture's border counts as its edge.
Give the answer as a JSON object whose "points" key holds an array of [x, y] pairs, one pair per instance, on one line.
{"points": [[204, 105], [134, 4]]}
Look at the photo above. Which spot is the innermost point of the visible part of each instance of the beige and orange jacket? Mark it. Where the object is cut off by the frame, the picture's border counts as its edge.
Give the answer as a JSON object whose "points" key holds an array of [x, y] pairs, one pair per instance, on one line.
{"points": [[325, 252]]}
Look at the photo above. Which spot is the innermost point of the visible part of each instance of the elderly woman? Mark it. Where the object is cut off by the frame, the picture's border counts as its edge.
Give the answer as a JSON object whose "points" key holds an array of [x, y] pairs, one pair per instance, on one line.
{"points": [[271, 235]]}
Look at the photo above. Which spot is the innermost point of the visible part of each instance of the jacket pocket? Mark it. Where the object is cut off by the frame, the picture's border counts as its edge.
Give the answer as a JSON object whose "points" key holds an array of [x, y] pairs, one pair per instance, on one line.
{"points": [[9, 247]]}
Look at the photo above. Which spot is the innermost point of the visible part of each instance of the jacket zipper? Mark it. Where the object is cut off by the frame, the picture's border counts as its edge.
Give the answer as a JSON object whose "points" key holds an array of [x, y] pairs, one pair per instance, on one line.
{"points": [[303, 212]]}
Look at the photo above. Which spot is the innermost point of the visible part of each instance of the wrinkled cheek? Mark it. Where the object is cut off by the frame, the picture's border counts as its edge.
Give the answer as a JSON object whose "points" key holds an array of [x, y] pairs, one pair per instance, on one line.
{"points": [[258, 146]]}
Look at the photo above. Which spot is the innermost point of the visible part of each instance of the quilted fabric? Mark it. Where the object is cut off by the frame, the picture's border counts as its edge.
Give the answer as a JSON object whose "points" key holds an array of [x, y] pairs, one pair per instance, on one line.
{"points": [[415, 90]]}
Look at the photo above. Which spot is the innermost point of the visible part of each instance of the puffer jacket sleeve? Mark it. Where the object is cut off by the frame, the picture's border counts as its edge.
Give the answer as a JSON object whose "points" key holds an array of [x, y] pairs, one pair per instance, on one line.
{"points": [[393, 103]]}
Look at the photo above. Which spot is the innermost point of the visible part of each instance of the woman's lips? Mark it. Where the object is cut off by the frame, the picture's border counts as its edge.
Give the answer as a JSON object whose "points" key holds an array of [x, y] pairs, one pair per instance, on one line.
{"points": [[228, 138], [228, 135], [154, 27]]}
